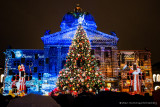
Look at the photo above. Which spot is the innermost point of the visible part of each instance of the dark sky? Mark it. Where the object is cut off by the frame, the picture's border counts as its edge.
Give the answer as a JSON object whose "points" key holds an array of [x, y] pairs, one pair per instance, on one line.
{"points": [[136, 22]]}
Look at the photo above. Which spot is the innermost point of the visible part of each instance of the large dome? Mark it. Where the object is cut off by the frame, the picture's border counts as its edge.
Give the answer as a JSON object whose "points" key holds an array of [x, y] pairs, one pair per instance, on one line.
{"points": [[71, 19]]}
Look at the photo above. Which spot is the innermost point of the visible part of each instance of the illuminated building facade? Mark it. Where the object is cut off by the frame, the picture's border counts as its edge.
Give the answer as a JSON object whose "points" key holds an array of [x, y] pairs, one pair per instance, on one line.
{"points": [[135, 72], [43, 66]]}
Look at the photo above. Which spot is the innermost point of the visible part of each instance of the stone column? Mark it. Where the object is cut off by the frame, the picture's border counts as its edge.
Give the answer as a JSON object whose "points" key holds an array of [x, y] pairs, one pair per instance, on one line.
{"points": [[46, 55], [114, 61], [59, 59], [102, 59]]}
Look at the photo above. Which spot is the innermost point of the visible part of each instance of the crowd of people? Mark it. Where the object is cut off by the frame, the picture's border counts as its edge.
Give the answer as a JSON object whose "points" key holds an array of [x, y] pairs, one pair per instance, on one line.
{"points": [[102, 99]]}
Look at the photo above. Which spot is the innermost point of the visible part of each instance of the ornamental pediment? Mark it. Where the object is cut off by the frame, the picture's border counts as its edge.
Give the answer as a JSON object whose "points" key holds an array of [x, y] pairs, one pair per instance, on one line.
{"points": [[66, 36]]}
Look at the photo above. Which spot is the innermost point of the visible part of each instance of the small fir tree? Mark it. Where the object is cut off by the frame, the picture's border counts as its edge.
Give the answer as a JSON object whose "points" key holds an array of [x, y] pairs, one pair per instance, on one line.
{"points": [[81, 70]]}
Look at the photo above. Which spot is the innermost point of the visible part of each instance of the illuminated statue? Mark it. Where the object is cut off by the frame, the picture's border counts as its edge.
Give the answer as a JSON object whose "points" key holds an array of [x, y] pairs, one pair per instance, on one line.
{"points": [[136, 82], [81, 19], [22, 84]]}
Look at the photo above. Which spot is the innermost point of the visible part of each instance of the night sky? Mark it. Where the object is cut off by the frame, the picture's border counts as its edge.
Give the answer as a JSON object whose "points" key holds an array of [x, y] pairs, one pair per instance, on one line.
{"points": [[136, 22]]}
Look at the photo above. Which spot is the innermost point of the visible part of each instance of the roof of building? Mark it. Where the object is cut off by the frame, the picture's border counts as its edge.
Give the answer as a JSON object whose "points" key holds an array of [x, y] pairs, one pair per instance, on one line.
{"points": [[66, 36], [71, 19], [69, 26]]}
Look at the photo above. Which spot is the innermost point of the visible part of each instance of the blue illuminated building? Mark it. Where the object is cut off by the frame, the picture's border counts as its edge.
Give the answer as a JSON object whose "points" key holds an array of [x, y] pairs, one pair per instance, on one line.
{"points": [[42, 66]]}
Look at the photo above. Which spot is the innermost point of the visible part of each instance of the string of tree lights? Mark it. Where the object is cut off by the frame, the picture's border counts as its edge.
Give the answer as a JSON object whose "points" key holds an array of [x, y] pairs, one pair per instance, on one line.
{"points": [[81, 68]]}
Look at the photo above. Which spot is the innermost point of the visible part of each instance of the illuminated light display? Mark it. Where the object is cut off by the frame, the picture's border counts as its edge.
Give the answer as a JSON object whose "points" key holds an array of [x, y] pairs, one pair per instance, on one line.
{"points": [[42, 66], [138, 72], [157, 87], [156, 77], [136, 81], [2, 77], [18, 54], [72, 19], [156, 80], [81, 69]]}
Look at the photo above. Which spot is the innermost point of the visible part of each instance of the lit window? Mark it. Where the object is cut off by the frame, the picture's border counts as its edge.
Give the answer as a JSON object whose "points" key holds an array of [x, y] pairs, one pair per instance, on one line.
{"points": [[154, 77], [157, 87], [158, 78], [2, 75]]}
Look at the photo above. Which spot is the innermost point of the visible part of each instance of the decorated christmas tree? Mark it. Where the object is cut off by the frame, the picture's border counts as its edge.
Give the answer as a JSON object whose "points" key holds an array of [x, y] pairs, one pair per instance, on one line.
{"points": [[81, 72]]}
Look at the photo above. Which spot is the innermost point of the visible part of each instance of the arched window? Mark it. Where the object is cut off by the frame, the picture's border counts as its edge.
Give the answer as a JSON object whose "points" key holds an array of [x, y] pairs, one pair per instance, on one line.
{"points": [[157, 87], [158, 78], [2, 77], [154, 77]]}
